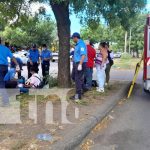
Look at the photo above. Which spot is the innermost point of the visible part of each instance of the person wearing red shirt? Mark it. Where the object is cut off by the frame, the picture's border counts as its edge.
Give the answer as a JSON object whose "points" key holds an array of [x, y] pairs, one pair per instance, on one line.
{"points": [[90, 64]]}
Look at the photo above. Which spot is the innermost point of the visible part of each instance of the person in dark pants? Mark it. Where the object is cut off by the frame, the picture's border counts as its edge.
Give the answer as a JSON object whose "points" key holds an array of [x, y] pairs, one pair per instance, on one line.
{"points": [[4, 54], [46, 55], [34, 60], [109, 64], [90, 64], [80, 60]]}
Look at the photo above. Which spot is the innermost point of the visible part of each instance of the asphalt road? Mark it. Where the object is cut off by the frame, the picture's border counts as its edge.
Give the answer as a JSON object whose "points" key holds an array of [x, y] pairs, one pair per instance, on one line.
{"points": [[129, 126]]}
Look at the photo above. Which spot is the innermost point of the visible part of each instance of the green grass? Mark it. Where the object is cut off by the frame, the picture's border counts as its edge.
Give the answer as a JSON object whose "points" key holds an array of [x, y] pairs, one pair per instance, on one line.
{"points": [[126, 63]]}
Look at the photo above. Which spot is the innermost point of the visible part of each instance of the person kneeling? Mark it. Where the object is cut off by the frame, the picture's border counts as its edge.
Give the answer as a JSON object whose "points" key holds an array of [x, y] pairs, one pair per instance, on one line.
{"points": [[10, 80], [33, 82]]}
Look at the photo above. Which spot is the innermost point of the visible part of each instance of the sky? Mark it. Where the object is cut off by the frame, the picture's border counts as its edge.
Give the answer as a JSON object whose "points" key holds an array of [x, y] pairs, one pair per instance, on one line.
{"points": [[75, 22]]}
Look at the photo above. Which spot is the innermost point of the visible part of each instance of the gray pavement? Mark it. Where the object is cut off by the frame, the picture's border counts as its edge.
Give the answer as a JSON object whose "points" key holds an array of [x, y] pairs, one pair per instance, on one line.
{"points": [[130, 127]]}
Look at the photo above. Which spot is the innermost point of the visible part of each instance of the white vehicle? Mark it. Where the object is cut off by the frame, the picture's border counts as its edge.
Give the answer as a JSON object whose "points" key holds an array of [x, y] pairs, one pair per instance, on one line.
{"points": [[54, 57], [23, 55], [146, 72], [117, 55]]}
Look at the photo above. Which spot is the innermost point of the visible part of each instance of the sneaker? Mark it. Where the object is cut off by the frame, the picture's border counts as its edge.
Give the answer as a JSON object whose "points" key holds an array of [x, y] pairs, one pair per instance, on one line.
{"points": [[106, 84], [101, 90]]}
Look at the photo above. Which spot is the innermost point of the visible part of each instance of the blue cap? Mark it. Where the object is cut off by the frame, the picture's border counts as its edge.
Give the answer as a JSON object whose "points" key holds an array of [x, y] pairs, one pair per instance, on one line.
{"points": [[76, 34]]}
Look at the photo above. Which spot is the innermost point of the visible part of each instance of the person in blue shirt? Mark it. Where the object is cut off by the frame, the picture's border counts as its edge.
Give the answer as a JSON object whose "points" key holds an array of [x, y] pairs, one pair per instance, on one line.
{"points": [[20, 63], [46, 55], [10, 81], [4, 54], [34, 60], [80, 60]]}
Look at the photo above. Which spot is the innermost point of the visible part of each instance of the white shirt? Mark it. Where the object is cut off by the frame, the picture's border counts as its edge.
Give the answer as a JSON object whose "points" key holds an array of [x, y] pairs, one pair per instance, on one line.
{"points": [[34, 80]]}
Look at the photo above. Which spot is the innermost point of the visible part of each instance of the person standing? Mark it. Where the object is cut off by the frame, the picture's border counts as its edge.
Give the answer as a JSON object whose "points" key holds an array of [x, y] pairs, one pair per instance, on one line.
{"points": [[90, 64], [80, 60], [100, 62], [34, 60], [4, 54], [109, 64], [46, 55]]}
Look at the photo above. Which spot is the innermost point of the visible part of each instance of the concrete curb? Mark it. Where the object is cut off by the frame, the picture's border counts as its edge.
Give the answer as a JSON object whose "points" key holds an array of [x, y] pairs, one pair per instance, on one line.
{"points": [[76, 136]]}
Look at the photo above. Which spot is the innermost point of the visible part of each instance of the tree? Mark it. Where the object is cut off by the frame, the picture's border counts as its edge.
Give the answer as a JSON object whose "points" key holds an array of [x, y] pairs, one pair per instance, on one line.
{"points": [[113, 11], [38, 32]]}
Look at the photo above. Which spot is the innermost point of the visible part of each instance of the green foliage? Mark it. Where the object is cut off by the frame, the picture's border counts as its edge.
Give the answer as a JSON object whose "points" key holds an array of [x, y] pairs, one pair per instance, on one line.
{"points": [[33, 31], [116, 35], [52, 81], [126, 56]]}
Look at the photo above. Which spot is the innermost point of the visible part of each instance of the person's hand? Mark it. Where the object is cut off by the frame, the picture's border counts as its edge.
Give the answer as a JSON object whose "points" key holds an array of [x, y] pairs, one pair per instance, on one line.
{"points": [[79, 67], [102, 66], [31, 63], [17, 68]]}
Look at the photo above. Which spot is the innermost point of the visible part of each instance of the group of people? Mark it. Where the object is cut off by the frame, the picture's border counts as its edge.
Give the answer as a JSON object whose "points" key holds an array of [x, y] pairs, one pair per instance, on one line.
{"points": [[84, 60], [11, 77]]}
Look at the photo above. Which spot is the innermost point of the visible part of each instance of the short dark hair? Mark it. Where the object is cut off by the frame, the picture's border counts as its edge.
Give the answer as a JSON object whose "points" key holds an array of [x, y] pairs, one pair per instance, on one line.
{"points": [[44, 45], [33, 69], [108, 44], [103, 44]]}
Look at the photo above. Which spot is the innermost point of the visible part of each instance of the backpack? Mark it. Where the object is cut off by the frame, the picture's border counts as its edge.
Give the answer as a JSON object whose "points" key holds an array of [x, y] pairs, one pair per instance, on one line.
{"points": [[111, 62], [41, 85]]}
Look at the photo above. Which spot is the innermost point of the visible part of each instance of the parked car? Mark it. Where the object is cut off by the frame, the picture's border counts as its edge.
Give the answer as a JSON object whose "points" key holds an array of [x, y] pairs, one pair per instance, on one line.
{"points": [[117, 55], [23, 55], [54, 57]]}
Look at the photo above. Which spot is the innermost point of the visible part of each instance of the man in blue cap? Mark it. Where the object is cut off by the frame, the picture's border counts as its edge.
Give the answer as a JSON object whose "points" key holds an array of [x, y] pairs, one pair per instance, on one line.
{"points": [[80, 60], [34, 60], [4, 54]]}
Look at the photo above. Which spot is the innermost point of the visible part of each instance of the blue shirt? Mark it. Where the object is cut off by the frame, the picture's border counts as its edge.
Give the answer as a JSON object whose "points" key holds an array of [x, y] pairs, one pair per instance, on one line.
{"points": [[4, 53], [10, 75], [19, 61], [34, 55], [46, 54], [80, 49]]}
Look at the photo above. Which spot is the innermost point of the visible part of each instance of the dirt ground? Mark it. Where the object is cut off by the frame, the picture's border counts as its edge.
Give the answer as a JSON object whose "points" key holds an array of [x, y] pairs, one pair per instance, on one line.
{"points": [[24, 136]]}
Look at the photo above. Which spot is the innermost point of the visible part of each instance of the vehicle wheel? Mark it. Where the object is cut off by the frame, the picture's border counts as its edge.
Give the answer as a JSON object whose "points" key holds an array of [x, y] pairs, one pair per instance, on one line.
{"points": [[146, 91]]}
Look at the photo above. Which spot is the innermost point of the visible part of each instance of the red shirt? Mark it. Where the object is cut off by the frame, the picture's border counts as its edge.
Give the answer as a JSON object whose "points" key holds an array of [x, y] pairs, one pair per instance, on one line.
{"points": [[91, 56]]}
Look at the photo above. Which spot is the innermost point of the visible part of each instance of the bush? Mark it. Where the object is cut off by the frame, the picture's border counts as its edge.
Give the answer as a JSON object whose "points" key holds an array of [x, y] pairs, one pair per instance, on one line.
{"points": [[126, 56], [52, 82]]}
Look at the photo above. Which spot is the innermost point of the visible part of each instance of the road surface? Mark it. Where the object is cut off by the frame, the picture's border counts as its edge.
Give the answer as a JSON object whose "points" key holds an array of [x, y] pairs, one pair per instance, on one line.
{"points": [[129, 126]]}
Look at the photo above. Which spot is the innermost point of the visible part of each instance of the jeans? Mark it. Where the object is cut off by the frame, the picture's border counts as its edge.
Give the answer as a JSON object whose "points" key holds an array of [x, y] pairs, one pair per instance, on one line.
{"points": [[89, 77], [101, 76], [3, 91], [45, 70], [79, 78]]}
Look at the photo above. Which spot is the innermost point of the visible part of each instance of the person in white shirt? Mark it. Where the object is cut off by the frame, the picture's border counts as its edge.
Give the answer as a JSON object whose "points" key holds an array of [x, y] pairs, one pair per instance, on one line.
{"points": [[34, 81]]}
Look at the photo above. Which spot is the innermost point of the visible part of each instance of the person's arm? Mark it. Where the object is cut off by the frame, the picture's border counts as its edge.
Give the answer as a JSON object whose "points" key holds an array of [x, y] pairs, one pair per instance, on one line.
{"points": [[83, 54], [104, 57]]}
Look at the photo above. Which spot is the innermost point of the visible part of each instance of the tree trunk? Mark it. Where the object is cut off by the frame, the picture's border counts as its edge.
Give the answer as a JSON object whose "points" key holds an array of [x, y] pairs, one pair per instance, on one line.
{"points": [[61, 12], [125, 45], [130, 41]]}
